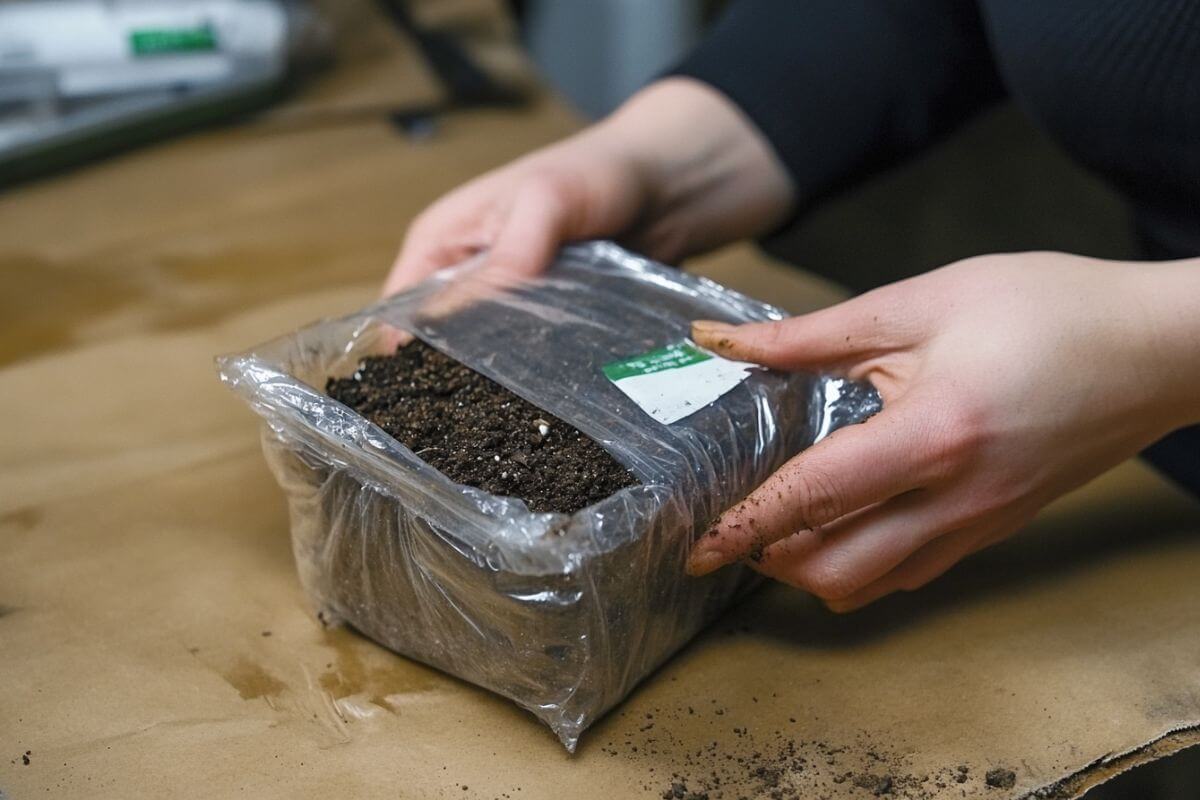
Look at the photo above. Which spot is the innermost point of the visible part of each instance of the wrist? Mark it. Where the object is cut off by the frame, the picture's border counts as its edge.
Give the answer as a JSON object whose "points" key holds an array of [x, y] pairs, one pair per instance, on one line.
{"points": [[1167, 295], [705, 165]]}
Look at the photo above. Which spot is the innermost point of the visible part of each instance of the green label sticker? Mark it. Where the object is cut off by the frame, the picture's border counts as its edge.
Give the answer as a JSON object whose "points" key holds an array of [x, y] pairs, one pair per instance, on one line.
{"points": [[673, 356], [155, 41], [675, 381]]}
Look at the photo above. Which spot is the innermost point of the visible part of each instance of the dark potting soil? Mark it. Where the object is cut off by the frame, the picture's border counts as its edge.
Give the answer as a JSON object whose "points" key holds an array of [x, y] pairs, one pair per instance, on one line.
{"points": [[1001, 778], [478, 433]]}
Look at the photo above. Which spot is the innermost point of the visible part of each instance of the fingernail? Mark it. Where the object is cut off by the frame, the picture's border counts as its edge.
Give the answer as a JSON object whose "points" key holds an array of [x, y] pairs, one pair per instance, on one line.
{"points": [[706, 326], [703, 561], [840, 606]]}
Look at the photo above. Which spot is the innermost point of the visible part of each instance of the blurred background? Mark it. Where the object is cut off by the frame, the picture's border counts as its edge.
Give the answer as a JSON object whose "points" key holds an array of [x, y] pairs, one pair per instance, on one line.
{"points": [[80, 79], [87, 84]]}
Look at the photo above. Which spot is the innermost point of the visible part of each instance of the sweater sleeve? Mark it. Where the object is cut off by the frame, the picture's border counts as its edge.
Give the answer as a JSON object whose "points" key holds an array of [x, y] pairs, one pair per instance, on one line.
{"points": [[1177, 456], [845, 88]]}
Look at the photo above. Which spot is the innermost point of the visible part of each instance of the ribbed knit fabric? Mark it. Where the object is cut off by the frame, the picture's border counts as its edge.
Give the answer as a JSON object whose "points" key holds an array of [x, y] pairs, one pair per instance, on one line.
{"points": [[844, 88]]}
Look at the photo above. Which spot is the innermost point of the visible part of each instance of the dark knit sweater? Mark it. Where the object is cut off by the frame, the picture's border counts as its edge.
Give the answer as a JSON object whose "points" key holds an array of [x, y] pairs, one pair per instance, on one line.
{"points": [[844, 88]]}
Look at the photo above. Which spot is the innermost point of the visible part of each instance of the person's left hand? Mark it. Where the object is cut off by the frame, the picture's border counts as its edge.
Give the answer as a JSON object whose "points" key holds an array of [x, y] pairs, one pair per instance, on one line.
{"points": [[1007, 381]]}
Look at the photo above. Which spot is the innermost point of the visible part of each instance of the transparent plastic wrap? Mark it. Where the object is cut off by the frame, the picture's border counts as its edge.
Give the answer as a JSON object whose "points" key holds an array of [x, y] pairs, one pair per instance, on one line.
{"points": [[563, 614]]}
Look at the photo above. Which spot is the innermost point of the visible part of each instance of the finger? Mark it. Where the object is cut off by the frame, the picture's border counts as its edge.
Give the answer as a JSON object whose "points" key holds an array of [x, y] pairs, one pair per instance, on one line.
{"points": [[455, 296], [527, 239], [796, 546], [849, 331], [854, 467], [410, 269], [392, 339], [852, 554], [535, 228], [423, 254], [932, 560], [917, 570]]}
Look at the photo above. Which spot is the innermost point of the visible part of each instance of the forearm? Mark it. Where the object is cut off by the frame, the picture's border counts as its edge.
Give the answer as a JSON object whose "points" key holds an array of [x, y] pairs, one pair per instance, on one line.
{"points": [[711, 176]]}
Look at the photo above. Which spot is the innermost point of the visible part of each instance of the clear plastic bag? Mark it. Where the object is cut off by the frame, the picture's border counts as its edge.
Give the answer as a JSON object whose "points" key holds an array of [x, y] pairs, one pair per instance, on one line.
{"points": [[562, 614]]}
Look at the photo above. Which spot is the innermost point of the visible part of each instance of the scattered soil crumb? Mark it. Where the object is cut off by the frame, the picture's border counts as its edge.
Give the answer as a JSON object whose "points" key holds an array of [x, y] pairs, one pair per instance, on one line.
{"points": [[1000, 778], [876, 784], [766, 761], [478, 433]]}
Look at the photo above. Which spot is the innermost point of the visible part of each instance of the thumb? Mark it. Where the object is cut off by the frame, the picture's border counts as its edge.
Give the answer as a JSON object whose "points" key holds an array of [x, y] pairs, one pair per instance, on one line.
{"points": [[832, 337]]}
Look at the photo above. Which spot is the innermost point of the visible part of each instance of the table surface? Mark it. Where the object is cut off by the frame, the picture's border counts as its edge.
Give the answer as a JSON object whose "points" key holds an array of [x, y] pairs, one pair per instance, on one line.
{"points": [[152, 632]]}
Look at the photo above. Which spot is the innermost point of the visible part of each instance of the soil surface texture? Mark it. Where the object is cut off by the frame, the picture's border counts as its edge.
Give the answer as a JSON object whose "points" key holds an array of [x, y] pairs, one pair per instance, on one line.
{"points": [[478, 433]]}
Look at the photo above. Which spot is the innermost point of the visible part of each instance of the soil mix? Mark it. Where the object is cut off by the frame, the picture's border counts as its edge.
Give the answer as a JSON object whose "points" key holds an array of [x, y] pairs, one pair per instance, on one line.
{"points": [[478, 433]]}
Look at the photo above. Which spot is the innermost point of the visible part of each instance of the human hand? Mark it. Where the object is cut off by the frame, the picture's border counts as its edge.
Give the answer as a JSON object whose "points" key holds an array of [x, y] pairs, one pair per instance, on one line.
{"points": [[579, 188], [1007, 381], [676, 170]]}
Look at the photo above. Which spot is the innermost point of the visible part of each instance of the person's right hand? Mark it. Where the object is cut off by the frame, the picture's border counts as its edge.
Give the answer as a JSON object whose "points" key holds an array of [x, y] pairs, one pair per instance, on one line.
{"points": [[674, 171], [1007, 381]]}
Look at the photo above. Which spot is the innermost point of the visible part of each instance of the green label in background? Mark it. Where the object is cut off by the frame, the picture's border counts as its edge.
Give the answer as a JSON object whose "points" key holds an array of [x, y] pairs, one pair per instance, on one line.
{"points": [[153, 41], [673, 356]]}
